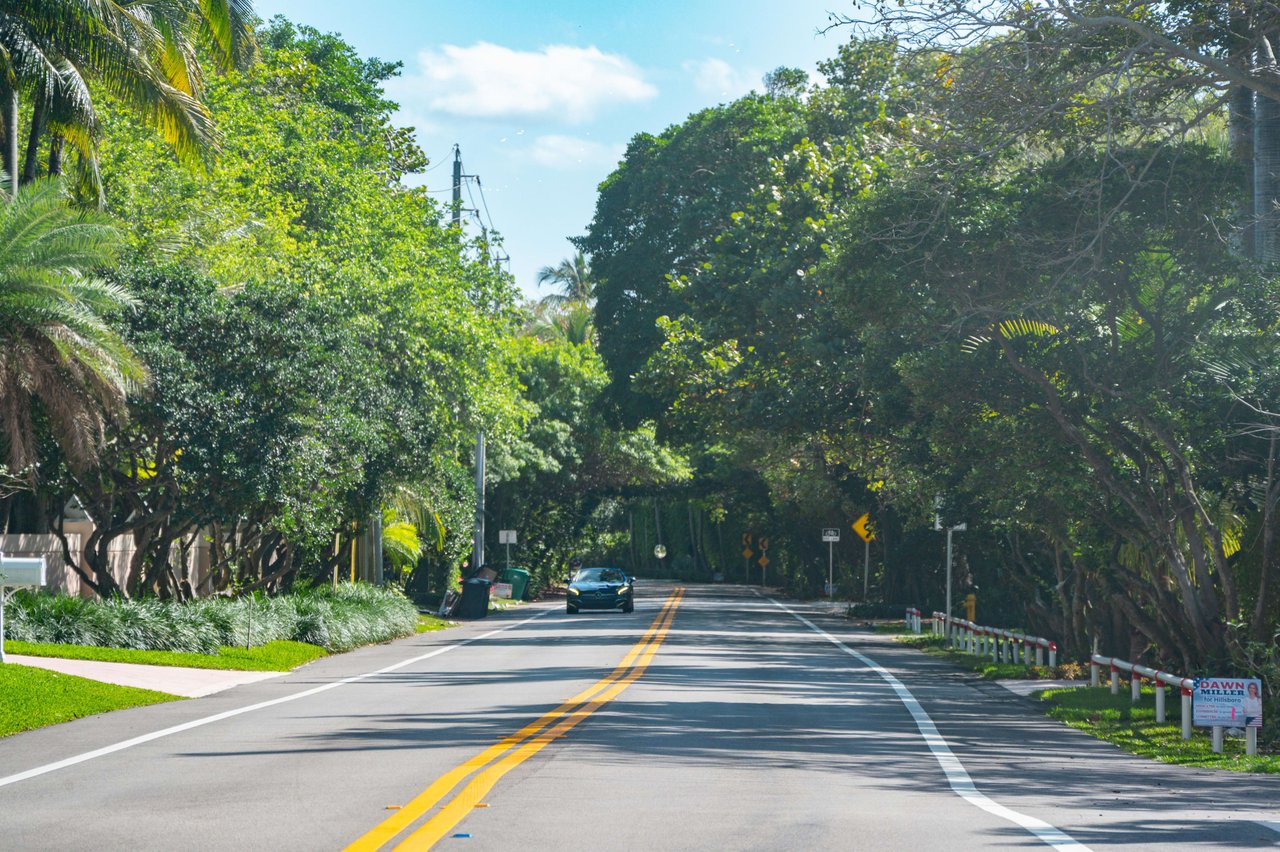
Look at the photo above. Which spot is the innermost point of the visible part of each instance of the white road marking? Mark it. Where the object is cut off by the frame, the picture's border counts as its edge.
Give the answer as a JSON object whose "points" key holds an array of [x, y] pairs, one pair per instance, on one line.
{"points": [[218, 717], [956, 774]]}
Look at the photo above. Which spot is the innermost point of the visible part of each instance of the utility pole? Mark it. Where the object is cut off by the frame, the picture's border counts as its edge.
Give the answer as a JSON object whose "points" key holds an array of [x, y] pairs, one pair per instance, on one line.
{"points": [[457, 187], [478, 553]]}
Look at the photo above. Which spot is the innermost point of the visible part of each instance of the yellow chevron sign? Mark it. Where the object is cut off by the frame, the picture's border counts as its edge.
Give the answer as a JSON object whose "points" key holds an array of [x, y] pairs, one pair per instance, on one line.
{"points": [[863, 529]]}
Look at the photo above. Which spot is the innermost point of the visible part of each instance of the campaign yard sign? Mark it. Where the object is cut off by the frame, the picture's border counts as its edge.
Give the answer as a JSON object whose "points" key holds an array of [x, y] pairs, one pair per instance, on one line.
{"points": [[1228, 702]]}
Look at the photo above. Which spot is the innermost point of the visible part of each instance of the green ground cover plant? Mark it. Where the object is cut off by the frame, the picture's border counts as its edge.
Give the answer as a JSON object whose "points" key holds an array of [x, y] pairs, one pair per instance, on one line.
{"points": [[431, 623], [335, 619], [1133, 727], [33, 698], [277, 656]]}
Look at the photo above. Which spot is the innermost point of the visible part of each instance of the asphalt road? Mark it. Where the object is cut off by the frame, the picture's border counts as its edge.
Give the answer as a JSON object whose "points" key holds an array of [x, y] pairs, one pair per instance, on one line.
{"points": [[713, 718]]}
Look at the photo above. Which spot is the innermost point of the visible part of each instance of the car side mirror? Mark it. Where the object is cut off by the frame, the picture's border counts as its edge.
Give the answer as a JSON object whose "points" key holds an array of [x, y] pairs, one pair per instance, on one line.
{"points": [[631, 579]]}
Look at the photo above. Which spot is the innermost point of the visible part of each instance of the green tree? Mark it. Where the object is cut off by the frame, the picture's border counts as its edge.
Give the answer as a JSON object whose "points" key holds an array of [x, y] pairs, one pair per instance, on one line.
{"points": [[657, 219], [324, 345]]}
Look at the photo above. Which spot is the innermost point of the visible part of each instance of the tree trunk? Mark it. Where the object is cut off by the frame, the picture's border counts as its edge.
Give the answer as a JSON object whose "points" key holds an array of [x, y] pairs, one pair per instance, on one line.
{"points": [[1259, 629], [1240, 131], [1266, 179], [39, 109], [56, 143], [9, 111]]}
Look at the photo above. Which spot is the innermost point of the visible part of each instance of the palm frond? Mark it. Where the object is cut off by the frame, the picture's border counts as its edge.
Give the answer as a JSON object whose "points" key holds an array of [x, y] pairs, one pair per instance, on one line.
{"points": [[1010, 329]]}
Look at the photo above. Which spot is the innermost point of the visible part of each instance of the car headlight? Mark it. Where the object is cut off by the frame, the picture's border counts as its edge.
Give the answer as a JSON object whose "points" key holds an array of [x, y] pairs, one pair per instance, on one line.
{"points": [[623, 590], [572, 590]]}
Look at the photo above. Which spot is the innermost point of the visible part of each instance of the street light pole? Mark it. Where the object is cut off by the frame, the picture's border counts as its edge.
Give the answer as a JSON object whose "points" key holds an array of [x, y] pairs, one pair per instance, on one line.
{"points": [[950, 530], [831, 589], [866, 566]]}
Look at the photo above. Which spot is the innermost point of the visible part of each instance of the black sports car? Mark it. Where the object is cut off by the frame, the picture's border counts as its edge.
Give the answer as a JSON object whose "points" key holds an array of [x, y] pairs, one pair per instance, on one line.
{"points": [[601, 588]]}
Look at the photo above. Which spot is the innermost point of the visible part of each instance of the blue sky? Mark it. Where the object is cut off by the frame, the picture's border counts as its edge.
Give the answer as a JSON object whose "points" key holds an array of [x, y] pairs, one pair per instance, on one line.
{"points": [[543, 97]]}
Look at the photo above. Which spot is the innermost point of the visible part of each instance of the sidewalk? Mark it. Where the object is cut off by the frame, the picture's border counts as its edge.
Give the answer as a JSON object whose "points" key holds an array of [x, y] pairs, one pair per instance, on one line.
{"points": [[175, 680]]}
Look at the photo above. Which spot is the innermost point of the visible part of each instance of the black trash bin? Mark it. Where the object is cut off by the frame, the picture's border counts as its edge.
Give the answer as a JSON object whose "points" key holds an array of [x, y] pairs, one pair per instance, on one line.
{"points": [[475, 598]]}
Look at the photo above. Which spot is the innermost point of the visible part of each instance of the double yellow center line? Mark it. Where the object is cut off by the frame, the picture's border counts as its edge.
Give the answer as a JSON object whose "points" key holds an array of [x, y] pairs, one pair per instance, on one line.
{"points": [[511, 751]]}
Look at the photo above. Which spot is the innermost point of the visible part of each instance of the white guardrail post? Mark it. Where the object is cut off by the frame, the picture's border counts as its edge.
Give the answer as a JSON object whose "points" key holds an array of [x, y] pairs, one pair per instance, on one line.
{"points": [[1002, 646]]}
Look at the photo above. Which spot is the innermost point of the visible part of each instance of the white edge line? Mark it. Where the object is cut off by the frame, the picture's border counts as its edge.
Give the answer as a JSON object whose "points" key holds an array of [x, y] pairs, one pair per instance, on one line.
{"points": [[218, 717], [957, 777]]}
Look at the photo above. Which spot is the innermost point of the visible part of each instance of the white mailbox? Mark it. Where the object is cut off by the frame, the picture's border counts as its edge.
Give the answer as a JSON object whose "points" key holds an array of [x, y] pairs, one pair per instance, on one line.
{"points": [[15, 572], [25, 571]]}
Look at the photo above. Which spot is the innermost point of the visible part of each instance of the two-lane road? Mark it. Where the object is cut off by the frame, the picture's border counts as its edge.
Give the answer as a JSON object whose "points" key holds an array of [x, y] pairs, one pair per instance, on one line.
{"points": [[711, 718]]}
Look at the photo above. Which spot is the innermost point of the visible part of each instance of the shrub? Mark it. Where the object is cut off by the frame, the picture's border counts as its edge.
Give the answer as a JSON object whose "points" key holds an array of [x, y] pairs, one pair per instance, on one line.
{"points": [[336, 619]]}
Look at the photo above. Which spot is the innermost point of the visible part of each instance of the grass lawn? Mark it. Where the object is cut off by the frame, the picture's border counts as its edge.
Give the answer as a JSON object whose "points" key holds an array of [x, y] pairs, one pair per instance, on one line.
{"points": [[32, 698], [1133, 728], [280, 656]]}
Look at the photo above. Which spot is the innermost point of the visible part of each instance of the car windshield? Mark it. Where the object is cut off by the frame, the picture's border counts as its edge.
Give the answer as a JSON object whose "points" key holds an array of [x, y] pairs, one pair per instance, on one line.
{"points": [[599, 575]]}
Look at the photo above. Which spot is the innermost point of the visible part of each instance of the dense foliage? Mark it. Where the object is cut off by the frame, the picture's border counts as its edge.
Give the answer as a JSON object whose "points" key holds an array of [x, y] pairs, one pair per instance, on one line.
{"points": [[312, 352], [912, 304]]}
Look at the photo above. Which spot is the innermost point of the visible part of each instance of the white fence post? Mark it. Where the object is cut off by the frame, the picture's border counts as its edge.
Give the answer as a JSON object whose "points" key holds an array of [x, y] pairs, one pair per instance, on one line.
{"points": [[1217, 739], [1115, 679]]}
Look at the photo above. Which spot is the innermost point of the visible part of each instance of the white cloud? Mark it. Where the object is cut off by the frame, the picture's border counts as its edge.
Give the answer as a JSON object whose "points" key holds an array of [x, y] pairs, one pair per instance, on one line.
{"points": [[488, 80], [717, 78], [567, 152]]}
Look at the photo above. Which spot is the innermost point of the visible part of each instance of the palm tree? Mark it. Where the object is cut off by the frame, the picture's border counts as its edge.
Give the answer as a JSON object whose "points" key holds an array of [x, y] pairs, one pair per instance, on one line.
{"points": [[572, 276], [572, 323], [58, 355], [143, 54]]}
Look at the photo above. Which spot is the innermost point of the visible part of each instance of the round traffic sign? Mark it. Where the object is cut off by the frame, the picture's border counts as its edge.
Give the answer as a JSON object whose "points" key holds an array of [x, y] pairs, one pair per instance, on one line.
{"points": [[660, 550]]}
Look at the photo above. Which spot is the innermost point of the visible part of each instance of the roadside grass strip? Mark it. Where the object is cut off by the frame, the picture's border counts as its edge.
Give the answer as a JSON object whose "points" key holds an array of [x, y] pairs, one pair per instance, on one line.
{"points": [[511, 751], [33, 698], [1133, 727], [432, 623], [957, 777], [936, 646], [84, 757], [278, 656]]}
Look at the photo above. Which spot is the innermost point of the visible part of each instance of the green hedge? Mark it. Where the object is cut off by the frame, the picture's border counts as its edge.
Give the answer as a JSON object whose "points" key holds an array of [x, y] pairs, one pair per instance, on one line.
{"points": [[336, 619]]}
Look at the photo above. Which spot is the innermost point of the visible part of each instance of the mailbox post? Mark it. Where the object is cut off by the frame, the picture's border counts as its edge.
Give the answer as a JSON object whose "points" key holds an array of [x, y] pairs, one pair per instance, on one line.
{"points": [[17, 573]]}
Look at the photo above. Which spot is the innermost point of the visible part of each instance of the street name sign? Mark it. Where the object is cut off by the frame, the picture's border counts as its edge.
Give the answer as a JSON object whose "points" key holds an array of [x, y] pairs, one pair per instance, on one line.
{"points": [[831, 534]]}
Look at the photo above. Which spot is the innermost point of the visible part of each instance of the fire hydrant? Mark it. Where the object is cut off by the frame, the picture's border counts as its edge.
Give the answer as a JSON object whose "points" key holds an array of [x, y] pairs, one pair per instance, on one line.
{"points": [[971, 607]]}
